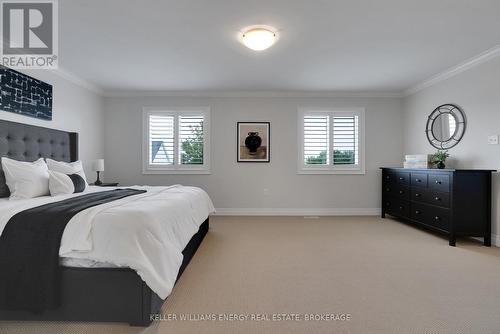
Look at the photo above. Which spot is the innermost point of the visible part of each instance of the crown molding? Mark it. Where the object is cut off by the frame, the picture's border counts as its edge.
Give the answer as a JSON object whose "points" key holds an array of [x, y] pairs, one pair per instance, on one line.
{"points": [[73, 78], [268, 94], [453, 71]]}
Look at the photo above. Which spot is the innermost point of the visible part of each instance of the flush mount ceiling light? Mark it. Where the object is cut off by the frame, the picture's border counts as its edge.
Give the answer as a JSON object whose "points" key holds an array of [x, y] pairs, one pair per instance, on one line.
{"points": [[258, 38]]}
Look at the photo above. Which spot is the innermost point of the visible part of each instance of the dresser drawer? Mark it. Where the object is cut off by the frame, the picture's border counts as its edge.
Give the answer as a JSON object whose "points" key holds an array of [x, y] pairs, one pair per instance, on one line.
{"points": [[431, 215], [430, 196], [403, 178], [439, 182], [397, 190], [418, 180], [397, 207], [397, 178]]}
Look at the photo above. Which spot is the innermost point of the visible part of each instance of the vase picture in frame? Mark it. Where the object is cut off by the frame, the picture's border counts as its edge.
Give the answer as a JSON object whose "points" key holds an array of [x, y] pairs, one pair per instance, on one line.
{"points": [[254, 141]]}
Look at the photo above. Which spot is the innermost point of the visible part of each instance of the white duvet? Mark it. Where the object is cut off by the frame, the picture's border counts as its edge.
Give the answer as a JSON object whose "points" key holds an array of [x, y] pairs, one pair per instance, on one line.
{"points": [[145, 232]]}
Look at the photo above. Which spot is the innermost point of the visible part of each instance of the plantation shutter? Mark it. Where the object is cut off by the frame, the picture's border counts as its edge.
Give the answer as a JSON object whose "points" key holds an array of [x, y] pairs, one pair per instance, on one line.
{"points": [[316, 140], [191, 140], [345, 140], [161, 140]]}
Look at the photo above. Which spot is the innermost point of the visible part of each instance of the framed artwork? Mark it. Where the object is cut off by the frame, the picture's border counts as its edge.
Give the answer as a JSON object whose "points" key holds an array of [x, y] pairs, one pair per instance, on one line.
{"points": [[24, 95], [254, 141]]}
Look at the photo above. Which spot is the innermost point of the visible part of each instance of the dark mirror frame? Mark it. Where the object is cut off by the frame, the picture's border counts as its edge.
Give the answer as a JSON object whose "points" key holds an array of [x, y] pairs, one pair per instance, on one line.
{"points": [[461, 124]]}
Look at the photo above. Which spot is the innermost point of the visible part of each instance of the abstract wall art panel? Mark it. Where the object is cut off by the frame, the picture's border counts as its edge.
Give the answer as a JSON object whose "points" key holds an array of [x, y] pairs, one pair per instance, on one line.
{"points": [[22, 94]]}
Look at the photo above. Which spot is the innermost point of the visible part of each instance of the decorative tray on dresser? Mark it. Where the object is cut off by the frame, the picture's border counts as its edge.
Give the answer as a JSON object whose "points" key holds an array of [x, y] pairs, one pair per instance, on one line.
{"points": [[453, 201]]}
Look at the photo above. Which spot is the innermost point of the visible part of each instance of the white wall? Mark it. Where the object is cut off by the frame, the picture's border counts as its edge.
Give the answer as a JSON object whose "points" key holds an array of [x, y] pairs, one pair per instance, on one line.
{"points": [[74, 109], [477, 92], [234, 186]]}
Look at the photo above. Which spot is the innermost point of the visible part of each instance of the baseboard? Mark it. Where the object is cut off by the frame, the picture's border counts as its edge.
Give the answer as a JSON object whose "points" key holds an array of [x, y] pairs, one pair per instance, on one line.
{"points": [[495, 240], [297, 211]]}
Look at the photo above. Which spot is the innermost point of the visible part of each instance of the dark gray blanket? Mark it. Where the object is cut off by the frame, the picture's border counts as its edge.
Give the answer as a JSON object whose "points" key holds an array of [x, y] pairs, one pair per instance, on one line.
{"points": [[29, 251]]}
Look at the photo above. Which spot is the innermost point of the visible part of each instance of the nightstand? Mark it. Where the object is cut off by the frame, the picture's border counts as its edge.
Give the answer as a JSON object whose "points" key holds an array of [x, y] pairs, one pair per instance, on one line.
{"points": [[104, 184]]}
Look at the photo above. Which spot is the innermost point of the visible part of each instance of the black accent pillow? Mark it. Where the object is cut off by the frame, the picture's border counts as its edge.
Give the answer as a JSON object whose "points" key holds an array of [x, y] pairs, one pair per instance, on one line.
{"points": [[78, 182], [64, 184]]}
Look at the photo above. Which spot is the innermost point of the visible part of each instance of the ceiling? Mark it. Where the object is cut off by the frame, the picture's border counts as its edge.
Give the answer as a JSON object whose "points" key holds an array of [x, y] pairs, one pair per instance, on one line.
{"points": [[324, 45]]}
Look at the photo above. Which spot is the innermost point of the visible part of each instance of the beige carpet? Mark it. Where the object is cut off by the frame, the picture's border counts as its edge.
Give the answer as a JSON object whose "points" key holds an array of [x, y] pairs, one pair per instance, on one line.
{"points": [[390, 278]]}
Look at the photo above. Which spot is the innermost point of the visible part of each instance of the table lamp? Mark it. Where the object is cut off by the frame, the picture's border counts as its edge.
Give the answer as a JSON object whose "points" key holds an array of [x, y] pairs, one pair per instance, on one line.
{"points": [[98, 166]]}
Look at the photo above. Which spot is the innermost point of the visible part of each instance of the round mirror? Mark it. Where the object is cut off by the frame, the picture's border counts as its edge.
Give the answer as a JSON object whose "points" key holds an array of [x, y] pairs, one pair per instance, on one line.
{"points": [[445, 126]]}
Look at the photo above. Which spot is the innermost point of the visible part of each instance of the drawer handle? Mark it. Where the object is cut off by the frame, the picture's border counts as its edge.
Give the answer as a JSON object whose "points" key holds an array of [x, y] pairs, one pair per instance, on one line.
{"points": [[401, 178], [418, 180], [401, 192], [417, 195], [417, 212], [438, 182], [437, 198], [437, 218], [401, 208]]}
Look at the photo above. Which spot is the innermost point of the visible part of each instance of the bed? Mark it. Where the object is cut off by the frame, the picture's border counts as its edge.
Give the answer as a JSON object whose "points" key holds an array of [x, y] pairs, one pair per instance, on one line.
{"points": [[90, 290]]}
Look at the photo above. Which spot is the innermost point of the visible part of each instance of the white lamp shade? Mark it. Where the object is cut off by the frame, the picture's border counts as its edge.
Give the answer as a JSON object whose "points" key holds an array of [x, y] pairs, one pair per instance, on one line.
{"points": [[98, 165]]}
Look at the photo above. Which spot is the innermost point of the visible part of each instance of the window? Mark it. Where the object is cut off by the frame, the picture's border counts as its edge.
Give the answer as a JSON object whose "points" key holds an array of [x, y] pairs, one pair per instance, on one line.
{"points": [[331, 141], [176, 141]]}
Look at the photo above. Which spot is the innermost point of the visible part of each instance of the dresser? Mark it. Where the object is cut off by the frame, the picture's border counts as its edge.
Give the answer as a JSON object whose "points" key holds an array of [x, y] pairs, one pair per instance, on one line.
{"points": [[456, 202]]}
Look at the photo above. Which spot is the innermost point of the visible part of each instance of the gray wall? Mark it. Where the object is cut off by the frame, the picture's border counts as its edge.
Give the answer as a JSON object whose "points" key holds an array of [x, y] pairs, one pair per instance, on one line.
{"points": [[477, 92], [261, 188], [74, 109]]}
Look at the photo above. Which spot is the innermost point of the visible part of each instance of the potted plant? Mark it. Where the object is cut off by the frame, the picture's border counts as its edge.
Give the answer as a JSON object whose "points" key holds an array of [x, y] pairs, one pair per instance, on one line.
{"points": [[439, 158]]}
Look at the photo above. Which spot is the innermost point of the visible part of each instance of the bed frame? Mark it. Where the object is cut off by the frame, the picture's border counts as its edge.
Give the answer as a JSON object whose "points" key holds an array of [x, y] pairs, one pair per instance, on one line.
{"points": [[88, 294]]}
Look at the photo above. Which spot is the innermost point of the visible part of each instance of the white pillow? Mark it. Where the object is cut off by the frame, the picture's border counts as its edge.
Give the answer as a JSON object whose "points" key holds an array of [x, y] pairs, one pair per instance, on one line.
{"points": [[61, 184], [67, 168], [26, 179]]}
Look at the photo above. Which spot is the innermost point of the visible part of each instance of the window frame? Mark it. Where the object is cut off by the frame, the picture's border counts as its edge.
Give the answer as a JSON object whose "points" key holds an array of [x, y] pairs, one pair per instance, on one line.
{"points": [[176, 168], [302, 168]]}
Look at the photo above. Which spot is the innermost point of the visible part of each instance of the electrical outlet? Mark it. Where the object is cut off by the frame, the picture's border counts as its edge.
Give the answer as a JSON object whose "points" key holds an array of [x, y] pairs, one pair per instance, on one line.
{"points": [[493, 140]]}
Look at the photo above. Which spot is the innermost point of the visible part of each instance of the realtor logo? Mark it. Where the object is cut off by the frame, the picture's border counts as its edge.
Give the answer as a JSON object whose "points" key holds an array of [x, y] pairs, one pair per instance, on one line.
{"points": [[29, 34]]}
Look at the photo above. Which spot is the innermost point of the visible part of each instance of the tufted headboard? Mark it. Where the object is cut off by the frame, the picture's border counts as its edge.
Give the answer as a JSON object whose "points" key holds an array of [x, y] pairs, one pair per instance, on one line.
{"points": [[28, 143]]}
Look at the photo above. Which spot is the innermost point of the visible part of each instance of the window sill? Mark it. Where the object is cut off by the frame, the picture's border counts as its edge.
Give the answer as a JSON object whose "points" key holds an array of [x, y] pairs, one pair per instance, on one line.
{"points": [[177, 171]]}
